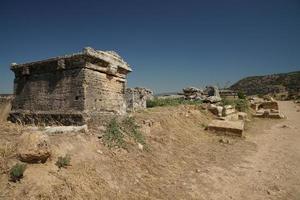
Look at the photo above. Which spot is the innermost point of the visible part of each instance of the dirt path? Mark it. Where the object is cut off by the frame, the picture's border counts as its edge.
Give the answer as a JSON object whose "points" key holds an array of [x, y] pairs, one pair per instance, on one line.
{"points": [[273, 172]]}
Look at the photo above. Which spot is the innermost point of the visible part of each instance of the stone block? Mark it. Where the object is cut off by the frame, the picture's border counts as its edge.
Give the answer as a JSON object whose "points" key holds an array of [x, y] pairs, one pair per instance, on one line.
{"points": [[228, 110], [34, 147], [268, 114], [242, 116], [216, 110], [235, 128], [136, 98], [268, 105]]}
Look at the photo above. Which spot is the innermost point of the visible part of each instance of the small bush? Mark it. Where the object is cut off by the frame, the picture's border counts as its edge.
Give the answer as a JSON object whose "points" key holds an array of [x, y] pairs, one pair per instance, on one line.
{"points": [[63, 161], [226, 101], [241, 95], [17, 171], [241, 105], [116, 132], [113, 135], [132, 129]]}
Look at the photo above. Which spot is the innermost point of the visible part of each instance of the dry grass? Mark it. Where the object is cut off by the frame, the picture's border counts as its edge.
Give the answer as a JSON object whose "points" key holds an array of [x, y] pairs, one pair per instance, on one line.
{"points": [[7, 150], [178, 146]]}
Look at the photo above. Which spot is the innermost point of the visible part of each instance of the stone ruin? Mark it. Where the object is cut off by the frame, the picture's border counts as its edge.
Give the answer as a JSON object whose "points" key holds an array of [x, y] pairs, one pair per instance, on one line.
{"points": [[210, 94], [136, 98], [265, 107], [228, 119], [70, 89], [193, 93]]}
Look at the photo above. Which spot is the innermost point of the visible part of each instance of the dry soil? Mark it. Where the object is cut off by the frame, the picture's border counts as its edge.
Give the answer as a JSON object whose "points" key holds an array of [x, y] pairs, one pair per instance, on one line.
{"points": [[182, 161]]}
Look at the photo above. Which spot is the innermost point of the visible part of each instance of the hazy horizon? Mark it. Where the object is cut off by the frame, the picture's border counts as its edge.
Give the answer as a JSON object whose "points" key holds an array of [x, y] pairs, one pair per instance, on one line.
{"points": [[170, 45]]}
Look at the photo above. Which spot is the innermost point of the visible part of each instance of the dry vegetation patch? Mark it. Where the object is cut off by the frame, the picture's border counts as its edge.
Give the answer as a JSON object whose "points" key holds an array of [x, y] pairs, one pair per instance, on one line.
{"points": [[179, 151]]}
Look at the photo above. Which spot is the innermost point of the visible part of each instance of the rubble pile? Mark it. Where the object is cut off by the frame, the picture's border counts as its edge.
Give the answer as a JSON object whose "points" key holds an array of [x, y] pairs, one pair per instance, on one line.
{"points": [[193, 93], [228, 120], [210, 94]]}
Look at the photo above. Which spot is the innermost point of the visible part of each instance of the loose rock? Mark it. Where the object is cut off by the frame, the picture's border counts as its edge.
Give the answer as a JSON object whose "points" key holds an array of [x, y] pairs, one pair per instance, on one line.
{"points": [[34, 147], [216, 110]]}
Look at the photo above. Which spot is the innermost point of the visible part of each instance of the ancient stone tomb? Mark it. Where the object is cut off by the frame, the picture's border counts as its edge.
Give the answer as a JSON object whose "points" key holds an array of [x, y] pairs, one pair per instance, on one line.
{"points": [[70, 89]]}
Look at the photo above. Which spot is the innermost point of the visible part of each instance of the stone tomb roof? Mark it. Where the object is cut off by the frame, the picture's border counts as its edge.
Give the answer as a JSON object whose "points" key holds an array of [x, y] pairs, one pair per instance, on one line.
{"points": [[109, 57]]}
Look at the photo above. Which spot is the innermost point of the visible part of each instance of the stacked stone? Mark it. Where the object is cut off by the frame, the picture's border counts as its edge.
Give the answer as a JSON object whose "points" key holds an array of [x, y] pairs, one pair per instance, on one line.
{"points": [[213, 95], [193, 93]]}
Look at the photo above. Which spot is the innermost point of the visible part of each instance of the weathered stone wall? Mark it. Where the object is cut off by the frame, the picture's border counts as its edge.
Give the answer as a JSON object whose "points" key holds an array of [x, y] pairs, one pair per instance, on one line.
{"points": [[104, 93], [49, 94], [136, 98], [5, 106]]}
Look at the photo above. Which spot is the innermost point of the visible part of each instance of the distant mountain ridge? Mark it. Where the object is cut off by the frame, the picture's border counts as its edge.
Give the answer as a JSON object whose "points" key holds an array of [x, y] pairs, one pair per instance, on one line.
{"points": [[270, 84]]}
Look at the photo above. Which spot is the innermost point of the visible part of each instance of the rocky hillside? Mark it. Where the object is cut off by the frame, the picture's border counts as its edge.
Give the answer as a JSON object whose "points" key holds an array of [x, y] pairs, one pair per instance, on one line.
{"points": [[270, 84]]}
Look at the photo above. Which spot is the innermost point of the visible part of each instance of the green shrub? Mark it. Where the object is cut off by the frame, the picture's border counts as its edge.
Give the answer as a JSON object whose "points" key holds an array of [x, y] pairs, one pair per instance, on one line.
{"points": [[63, 161], [132, 129], [113, 135], [241, 95], [226, 101], [242, 105], [170, 102], [17, 171]]}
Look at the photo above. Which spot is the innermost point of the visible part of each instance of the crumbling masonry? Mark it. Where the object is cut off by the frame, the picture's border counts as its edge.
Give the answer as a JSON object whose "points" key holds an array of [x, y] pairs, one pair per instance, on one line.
{"points": [[136, 98], [70, 89]]}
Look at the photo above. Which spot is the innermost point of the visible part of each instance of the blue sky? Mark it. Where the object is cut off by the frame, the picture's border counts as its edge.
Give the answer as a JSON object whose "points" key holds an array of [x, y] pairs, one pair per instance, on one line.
{"points": [[170, 44]]}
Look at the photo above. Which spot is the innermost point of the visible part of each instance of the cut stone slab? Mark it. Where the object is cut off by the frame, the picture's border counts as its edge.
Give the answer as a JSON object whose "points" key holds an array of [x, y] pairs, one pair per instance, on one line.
{"points": [[227, 127], [216, 110], [228, 110], [63, 129], [232, 117], [242, 116], [269, 105], [268, 114]]}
